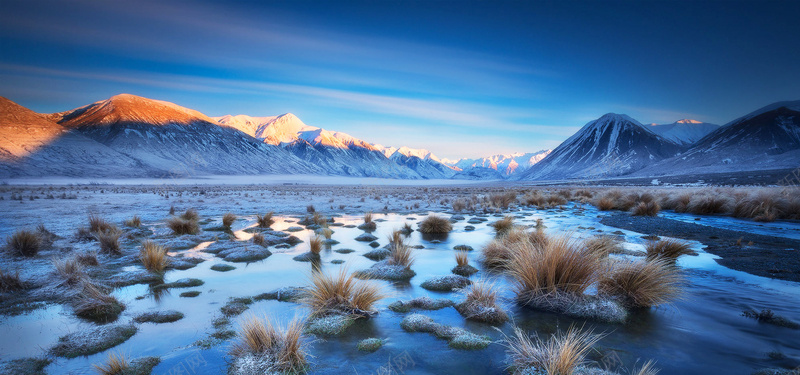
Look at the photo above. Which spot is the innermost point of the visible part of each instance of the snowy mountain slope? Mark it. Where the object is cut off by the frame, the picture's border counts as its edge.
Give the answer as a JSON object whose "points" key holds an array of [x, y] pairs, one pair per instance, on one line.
{"points": [[478, 173], [32, 145], [333, 152], [176, 140], [612, 145], [507, 165], [761, 140], [684, 132]]}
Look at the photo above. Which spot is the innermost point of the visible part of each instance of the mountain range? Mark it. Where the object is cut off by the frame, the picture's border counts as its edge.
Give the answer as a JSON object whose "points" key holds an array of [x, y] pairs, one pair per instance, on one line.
{"points": [[131, 136]]}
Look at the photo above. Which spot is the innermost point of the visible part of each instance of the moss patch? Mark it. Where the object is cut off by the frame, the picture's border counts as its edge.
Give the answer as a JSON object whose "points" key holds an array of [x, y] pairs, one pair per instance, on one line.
{"points": [[93, 340], [370, 345], [167, 316]]}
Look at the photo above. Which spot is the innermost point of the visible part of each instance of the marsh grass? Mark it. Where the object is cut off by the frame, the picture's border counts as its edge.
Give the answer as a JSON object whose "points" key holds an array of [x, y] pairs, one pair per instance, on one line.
{"points": [[642, 284], [228, 219], [461, 259], [434, 224], [134, 222], [315, 245], [503, 200], [603, 245], [99, 225], [70, 270], [497, 252], [503, 226], [283, 347], [481, 303], [181, 226], [94, 304], [191, 215], [400, 253], [258, 239], [561, 354], [88, 258], [10, 282], [266, 220], [649, 208], [648, 368], [109, 241], [341, 293], [668, 249], [709, 205], [153, 256], [25, 243], [116, 364]]}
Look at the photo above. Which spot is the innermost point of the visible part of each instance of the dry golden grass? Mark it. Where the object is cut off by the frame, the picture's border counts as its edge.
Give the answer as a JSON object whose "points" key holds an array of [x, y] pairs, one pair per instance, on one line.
{"points": [[315, 245], [70, 269], [642, 284], [182, 226], [668, 249], [327, 233], [434, 224], [134, 222], [648, 368], [503, 200], [116, 364], [265, 221], [283, 346], [319, 219], [651, 208], [98, 224], [10, 282], [562, 265], [153, 256], [497, 253], [191, 215], [605, 204], [461, 259], [228, 219], [762, 207], [88, 258], [603, 245], [94, 304], [25, 243], [258, 239], [503, 225], [561, 354], [368, 217], [342, 293], [709, 205], [109, 241], [401, 254], [481, 303]]}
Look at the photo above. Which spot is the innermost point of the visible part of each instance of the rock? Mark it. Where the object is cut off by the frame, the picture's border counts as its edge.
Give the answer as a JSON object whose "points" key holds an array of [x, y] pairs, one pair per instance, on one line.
{"points": [[474, 221], [446, 283], [469, 228], [286, 294], [482, 313], [344, 251], [385, 271], [307, 257], [294, 229], [374, 244], [465, 271], [222, 267], [366, 237], [378, 254], [190, 294], [455, 218], [371, 226], [245, 254], [581, 306], [463, 248], [457, 338], [183, 263], [337, 261], [182, 283]]}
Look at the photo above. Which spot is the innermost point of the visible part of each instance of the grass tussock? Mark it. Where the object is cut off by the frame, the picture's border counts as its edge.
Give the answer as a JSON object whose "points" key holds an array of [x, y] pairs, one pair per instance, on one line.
{"points": [[116, 364], [94, 304], [502, 200], [481, 304], [642, 284], [401, 254], [258, 239], [650, 208], [153, 256], [109, 241], [497, 253], [461, 259], [502, 226], [25, 243], [341, 293], [10, 282], [319, 219], [70, 270], [283, 347], [266, 220], [603, 245], [434, 224], [315, 245], [327, 233], [181, 226], [562, 265], [134, 222], [561, 354], [668, 249], [648, 368], [368, 217], [98, 225], [88, 258], [191, 215], [709, 205], [228, 219]]}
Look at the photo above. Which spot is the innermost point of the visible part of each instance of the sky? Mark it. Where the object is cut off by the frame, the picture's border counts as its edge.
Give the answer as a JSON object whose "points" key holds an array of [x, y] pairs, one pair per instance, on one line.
{"points": [[460, 78]]}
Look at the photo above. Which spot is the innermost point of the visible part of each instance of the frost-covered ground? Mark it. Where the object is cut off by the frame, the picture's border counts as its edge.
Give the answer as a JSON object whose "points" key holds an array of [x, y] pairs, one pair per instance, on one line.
{"points": [[700, 334]]}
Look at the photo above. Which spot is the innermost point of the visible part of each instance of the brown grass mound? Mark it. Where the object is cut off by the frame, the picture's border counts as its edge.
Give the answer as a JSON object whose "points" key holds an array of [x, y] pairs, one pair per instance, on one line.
{"points": [[98, 224], [153, 256], [134, 222], [642, 284], [461, 259], [668, 249], [709, 205], [497, 253], [10, 282], [434, 224], [265, 221], [651, 208], [25, 243], [109, 241], [503, 225], [191, 215], [116, 364], [70, 270], [561, 354], [228, 219], [603, 245], [315, 245], [503, 200], [342, 293], [182, 226], [94, 304], [481, 304], [282, 347]]}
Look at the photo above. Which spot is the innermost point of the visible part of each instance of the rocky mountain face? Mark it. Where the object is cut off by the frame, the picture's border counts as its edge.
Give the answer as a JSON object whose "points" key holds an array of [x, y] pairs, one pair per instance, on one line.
{"points": [[684, 132]]}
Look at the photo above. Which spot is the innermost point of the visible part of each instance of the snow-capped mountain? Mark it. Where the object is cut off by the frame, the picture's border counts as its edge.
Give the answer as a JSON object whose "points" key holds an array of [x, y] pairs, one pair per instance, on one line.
{"points": [[176, 141], [506, 165], [684, 132], [612, 145], [768, 138], [33, 145], [334, 152]]}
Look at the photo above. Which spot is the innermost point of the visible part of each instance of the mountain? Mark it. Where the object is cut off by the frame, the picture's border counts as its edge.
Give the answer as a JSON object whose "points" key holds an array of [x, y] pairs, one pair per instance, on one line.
{"points": [[506, 165], [176, 141], [33, 145], [334, 152], [612, 145], [421, 161], [768, 138], [684, 132]]}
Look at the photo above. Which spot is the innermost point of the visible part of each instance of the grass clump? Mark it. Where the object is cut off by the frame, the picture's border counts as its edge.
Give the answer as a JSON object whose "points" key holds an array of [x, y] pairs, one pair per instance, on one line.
{"points": [[642, 284], [228, 219], [481, 304], [462, 265], [158, 317], [263, 348], [93, 341], [95, 305], [181, 226], [266, 220], [668, 249], [342, 294], [153, 256], [315, 245], [603, 245], [497, 253], [191, 215], [25, 243], [649, 208], [10, 282], [134, 222], [561, 354], [70, 270], [434, 224], [109, 241], [258, 239], [368, 224], [97, 224], [503, 226], [400, 253], [116, 364]]}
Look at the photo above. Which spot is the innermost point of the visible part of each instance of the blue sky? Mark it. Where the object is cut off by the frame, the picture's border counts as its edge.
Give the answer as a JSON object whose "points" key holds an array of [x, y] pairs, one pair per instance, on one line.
{"points": [[460, 78]]}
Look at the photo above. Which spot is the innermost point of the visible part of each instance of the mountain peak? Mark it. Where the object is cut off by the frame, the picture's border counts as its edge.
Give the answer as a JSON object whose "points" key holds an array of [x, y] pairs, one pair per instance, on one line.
{"points": [[688, 121], [128, 108]]}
